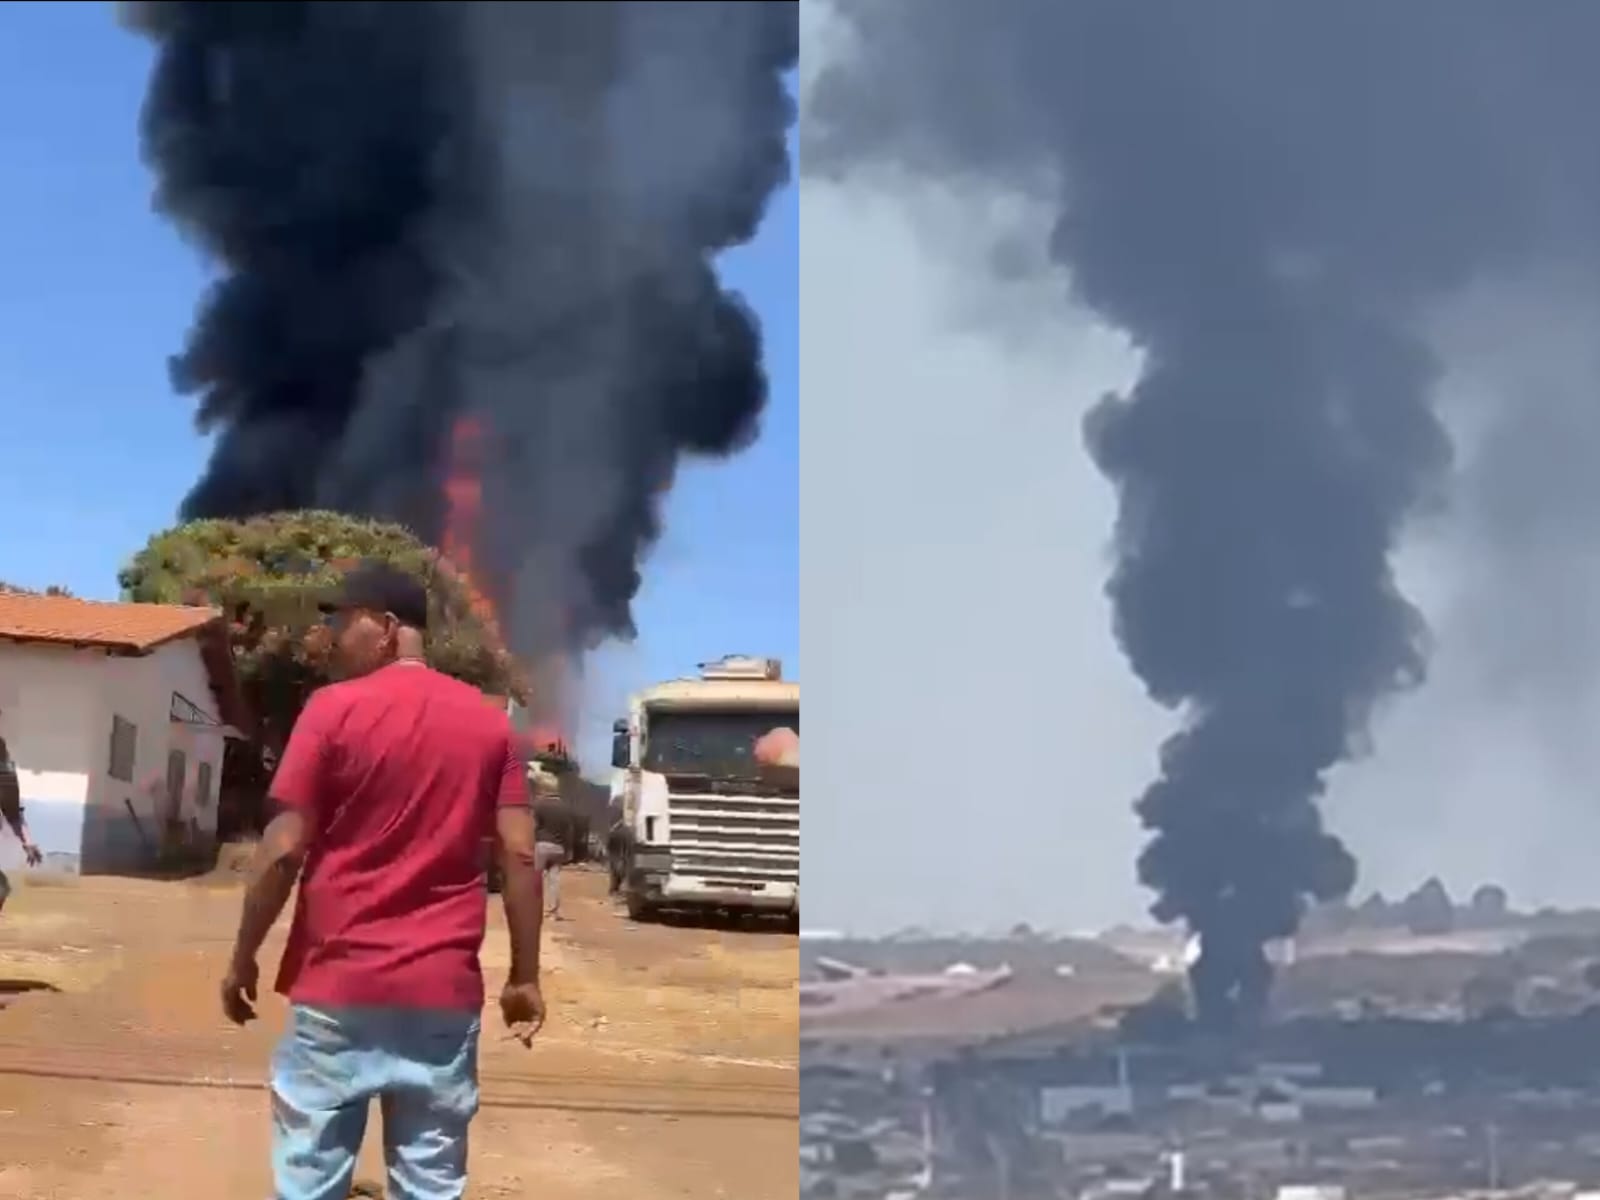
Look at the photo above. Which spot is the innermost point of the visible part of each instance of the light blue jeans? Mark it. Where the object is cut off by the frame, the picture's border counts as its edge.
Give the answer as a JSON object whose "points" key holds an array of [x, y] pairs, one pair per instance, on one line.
{"points": [[422, 1067]]}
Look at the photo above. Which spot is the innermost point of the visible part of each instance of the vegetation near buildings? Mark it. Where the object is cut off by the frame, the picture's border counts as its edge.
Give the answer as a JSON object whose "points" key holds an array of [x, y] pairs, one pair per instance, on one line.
{"points": [[269, 573]]}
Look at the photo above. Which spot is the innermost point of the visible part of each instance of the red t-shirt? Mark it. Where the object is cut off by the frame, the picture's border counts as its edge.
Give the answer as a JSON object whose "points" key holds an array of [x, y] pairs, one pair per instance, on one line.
{"points": [[399, 773]]}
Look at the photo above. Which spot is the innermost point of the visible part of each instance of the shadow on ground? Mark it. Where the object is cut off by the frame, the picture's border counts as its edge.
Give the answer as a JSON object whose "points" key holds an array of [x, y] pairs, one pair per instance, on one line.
{"points": [[723, 920], [18, 987], [11, 989]]}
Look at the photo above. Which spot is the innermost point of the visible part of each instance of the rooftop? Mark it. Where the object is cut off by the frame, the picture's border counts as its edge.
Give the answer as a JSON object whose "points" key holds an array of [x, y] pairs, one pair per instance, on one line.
{"points": [[1025, 1005], [67, 621]]}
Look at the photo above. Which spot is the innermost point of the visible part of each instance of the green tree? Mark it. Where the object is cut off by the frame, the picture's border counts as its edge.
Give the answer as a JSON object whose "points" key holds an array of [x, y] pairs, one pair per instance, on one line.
{"points": [[269, 574], [1429, 911], [55, 589]]}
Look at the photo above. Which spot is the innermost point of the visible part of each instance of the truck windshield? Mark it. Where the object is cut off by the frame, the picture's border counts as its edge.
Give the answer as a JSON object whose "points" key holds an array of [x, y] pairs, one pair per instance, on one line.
{"points": [[710, 742]]}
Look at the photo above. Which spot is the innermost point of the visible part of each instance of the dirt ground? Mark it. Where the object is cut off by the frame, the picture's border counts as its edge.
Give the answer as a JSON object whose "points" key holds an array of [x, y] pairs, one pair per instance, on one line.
{"points": [[667, 1067]]}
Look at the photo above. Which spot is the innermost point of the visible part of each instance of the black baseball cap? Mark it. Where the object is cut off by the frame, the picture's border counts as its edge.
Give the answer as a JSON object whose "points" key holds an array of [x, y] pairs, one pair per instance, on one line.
{"points": [[378, 587]]}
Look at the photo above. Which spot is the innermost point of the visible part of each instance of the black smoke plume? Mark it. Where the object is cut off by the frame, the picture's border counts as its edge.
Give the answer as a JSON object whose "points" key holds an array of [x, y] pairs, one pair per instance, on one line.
{"points": [[1269, 197], [508, 212]]}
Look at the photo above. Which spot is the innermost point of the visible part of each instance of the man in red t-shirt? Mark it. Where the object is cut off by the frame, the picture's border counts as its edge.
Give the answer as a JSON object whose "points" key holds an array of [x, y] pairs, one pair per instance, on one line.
{"points": [[388, 788]]}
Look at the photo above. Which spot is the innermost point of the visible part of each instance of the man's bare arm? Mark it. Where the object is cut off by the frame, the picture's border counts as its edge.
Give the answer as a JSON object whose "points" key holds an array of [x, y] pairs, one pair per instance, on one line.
{"points": [[522, 891], [11, 812], [11, 800], [273, 871]]}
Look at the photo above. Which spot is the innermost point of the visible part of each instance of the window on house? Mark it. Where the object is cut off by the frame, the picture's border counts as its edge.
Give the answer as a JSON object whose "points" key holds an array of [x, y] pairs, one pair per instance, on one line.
{"points": [[124, 749], [202, 785]]}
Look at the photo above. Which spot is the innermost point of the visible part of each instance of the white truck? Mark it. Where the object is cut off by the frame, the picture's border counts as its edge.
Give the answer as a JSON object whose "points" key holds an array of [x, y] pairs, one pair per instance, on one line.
{"points": [[699, 820]]}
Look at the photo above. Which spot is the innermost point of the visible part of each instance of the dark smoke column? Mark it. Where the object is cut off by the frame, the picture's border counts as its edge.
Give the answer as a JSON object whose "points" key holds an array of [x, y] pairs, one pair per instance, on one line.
{"points": [[1268, 197], [506, 213], [1252, 591]]}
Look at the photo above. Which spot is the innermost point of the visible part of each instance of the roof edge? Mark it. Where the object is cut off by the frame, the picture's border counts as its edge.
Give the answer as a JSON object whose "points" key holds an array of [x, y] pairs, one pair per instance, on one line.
{"points": [[195, 630], [128, 646]]}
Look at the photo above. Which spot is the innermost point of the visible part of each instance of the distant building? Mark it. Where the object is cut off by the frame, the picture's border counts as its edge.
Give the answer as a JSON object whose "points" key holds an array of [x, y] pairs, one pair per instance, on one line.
{"points": [[1059, 1104], [1311, 1191], [115, 715], [1279, 1112], [1292, 1070], [1326, 1097]]}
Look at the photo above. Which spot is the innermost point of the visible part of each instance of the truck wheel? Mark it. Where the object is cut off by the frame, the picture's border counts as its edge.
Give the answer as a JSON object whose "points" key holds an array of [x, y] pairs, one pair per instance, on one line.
{"points": [[640, 909]]}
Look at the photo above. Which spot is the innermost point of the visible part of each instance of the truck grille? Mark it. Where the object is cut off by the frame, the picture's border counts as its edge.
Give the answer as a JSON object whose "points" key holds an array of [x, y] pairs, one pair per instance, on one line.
{"points": [[735, 841]]}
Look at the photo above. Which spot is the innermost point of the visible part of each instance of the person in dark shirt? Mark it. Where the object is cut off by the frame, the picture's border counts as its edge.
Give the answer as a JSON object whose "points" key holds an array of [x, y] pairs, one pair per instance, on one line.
{"points": [[11, 814], [390, 784]]}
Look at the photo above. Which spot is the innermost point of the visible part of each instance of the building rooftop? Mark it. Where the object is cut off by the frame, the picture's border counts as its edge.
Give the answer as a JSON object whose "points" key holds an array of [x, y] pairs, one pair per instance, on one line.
{"points": [[67, 621]]}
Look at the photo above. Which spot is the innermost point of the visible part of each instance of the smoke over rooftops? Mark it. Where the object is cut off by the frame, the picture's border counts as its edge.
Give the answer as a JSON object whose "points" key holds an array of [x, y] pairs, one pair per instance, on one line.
{"points": [[1271, 199]]}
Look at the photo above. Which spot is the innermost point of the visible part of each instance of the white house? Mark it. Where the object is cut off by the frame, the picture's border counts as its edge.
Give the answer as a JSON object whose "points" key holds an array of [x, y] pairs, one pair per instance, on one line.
{"points": [[115, 715]]}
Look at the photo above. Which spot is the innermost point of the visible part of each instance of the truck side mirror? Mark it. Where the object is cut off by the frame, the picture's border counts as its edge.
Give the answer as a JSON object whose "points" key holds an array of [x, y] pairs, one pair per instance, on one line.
{"points": [[621, 752]]}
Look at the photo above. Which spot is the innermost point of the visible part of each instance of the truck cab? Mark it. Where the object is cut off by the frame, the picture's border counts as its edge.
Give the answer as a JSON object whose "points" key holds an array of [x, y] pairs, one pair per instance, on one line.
{"points": [[699, 820]]}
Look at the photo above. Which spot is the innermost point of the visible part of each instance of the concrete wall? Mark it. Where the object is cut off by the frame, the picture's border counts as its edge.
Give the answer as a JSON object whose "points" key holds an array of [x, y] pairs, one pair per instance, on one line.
{"points": [[125, 822], [46, 696]]}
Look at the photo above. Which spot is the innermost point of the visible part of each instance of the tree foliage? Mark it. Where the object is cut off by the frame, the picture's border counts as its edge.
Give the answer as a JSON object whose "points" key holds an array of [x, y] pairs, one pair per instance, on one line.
{"points": [[269, 574], [1429, 911], [1490, 904], [55, 589]]}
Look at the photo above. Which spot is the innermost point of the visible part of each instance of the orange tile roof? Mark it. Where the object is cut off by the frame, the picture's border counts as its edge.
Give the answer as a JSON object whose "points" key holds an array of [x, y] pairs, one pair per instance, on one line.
{"points": [[67, 621]]}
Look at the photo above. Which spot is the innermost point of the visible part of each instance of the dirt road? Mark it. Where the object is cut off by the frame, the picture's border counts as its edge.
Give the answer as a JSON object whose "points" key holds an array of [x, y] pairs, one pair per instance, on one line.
{"points": [[667, 1068]]}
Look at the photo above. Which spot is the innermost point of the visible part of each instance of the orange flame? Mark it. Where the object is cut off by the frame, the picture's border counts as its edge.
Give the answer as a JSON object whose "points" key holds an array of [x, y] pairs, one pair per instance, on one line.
{"points": [[463, 512], [463, 497], [545, 741]]}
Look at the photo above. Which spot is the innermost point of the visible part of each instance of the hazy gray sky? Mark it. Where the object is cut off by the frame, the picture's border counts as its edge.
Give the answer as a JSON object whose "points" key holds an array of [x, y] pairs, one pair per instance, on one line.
{"points": [[975, 736]]}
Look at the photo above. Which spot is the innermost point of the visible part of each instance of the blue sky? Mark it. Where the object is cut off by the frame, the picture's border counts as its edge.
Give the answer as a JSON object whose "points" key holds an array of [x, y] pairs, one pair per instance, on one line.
{"points": [[96, 292]]}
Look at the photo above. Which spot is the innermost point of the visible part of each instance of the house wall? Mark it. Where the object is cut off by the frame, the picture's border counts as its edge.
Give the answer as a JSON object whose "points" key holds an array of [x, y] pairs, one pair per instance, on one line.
{"points": [[46, 696], [124, 822]]}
